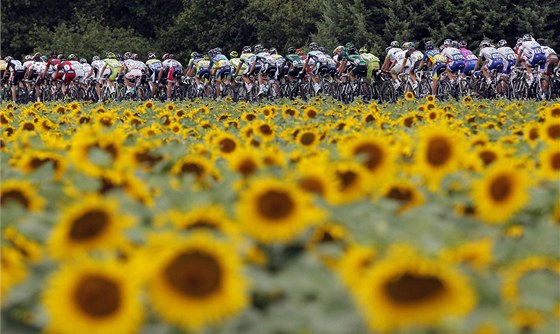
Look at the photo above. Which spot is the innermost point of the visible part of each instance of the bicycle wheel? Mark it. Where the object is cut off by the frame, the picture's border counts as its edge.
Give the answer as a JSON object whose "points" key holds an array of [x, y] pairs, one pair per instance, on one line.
{"points": [[387, 92]]}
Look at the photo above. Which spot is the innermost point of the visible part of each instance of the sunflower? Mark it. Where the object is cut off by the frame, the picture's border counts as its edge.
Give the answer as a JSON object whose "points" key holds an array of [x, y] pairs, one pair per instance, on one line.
{"points": [[550, 131], [225, 143], [308, 138], [194, 165], [245, 161], [527, 320], [98, 153], [500, 193], [264, 129], [29, 249], [289, 112], [375, 154], [310, 112], [405, 193], [354, 264], [407, 290], [197, 281], [93, 223], [32, 160], [353, 179], [313, 177], [550, 163], [477, 254], [13, 269], [23, 193], [438, 153], [273, 210], [211, 218], [92, 297], [409, 96], [489, 154]]}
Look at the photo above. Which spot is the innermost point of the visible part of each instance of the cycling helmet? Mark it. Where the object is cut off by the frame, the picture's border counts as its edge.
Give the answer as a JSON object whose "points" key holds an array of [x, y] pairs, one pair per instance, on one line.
{"points": [[363, 50], [110, 55], [135, 56], [299, 51], [291, 49], [171, 56], [83, 60], [265, 50], [127, 55], [502, 42], [404, 45], [246, 49], [322, 49], [463, 44], [233, 54], [429, 45], [211, 52], [44, 58], [151, 55], [27, 57], [196, 55], [218, 50], [165, 56], [8, 58], [484, 43], [455, 44], [349, 45], [273, 51], [527, 37], [339, 49], [352, 50], [62, 56], [394, 44], [72, 57], [119, 57], [313, 46], [258, 48], [447, 42], [95, 58], [411, 45]]}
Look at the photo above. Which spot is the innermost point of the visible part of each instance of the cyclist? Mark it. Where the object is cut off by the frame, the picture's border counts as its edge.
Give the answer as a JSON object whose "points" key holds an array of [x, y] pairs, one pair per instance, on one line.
{"points": [[394, 47], [113, 65], [220, 67], [397, 64], [509, 56], [248, 58], [470, 57], [455, 59], [154, 66], [551, 61], [294, 64], [267, 66], [132, 72], [78, 68], [172, 69], [35, 71], [491, 59], [532, 55], [87, 70], [235, 61], [66, 68], [316, 62], [280, 61], [413, 57], [371, 61], [200, 67], [435, 61], [17, 72]]}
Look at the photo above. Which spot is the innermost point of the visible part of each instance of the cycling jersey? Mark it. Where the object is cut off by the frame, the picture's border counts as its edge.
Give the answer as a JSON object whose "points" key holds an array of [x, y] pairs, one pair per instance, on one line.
{"points": [[295, 64], [532, 53], [436, 60], [372, 63], [87, 70], [78, 68], [17, 71], [494, 58], [249, 59], [356, 65], [172, 68], [455, 59], [97, 65], [547, 50], [400, 60], [510, 58], [471, 60], [220, 66], [235, 62], [114, 66], [202, 67]]}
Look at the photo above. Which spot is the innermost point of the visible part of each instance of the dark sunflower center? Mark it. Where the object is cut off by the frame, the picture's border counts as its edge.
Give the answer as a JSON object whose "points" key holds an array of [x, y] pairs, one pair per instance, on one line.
{"points": [[89, 225], [265, 129], [98, 296], [369, 118], [28, 126], [247, 167], [439, 151], [409, 120], [501, 188], [202, 224], [311, 113], [250, 117], [555, 161], [412, 289], [290, 112], [347, 179], [192, 168], [312, 185], [400, 194], [533, 134], [194, 274], [275, 204], [307, 138], [373, 154], [227, 145], [487, 157], [554, 131], [15, 196], [38, 162]]}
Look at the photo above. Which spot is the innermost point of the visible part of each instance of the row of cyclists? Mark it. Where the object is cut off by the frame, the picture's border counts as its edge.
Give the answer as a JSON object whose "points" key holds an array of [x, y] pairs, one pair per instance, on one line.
{"points": [[258, 63]]}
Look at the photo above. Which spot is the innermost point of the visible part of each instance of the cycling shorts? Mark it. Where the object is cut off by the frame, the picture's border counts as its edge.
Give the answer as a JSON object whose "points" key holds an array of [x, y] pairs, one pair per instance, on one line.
{"points": [[223, 73], [203, 73], [508, 65], [538, 60], [136, 73], [16, 77], [437, 70], [497, 64], [469, 66], [68, 77], [456, 65]]}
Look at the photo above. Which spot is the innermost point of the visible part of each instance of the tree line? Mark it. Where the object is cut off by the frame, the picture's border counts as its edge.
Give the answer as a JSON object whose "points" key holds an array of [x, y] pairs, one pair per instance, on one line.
{"points": [[89, 28]]}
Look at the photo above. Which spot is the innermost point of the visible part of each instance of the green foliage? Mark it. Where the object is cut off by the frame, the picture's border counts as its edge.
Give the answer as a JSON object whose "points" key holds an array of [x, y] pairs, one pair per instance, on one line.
{"points": [[181, 26]]}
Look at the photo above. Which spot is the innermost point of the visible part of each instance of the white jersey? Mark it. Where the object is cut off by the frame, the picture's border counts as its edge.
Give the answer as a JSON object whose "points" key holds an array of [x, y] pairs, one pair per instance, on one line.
{"points": [[266, 58], [17, 65], [452, 54], [87, 69], [490, 53], [392, 51], [507, 53], [78, 68], [39, 66], [28, 64], [171, 63], [399, 55], [548, 50], [529, 49], [97, 65], [141, 66], [416, 56], [131, 64]]}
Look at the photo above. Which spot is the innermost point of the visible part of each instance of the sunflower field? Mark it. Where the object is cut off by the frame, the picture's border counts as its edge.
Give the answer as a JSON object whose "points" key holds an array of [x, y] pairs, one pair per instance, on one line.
{"points": [[297, 217]]}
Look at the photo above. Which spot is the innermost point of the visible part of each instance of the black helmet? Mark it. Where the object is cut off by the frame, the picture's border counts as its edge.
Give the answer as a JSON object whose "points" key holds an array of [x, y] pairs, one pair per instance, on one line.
{"points": [[313, 46], [429, 45], [463, 44], [291, 49], [258, 48], [119, 57], [322, 49], [127, 55], [151, 55], [246, 48]]}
